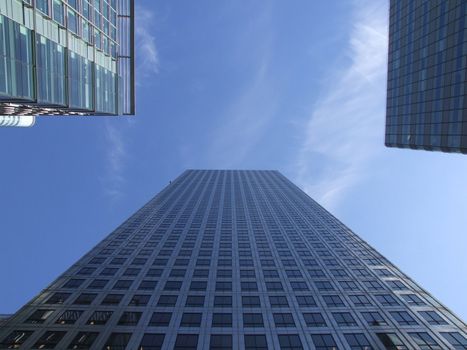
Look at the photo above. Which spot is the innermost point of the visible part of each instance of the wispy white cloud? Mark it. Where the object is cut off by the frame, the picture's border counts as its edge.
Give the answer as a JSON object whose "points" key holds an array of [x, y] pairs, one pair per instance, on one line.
{"points": [[147, 57], [346, 126], [116, 157]]}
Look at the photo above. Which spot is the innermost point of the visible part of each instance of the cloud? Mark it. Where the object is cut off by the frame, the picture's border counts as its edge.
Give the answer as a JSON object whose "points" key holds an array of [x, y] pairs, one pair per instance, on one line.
{"points": [[147, 57], [346, 127]]}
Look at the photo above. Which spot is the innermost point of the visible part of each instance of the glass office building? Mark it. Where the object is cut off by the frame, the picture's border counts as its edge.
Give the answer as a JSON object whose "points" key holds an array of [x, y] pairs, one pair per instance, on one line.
{"points": [[233, 260], [66, 57], [426, 97]]}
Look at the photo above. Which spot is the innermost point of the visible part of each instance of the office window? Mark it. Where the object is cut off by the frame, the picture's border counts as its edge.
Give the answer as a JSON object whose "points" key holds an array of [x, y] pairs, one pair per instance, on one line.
{"points": [[15, 339], [99, 317], [69, 317], [386, 300], [223, 301], [425, 341], [457, 340], [167, 300], [360, 300], [324, 342], [251, 301], [122, 284], [247, 274], [83, 340], [249, 286], [139, 300], [333, 300], [397, 285], [274, 286], [73, 283], [283, 320], [358, 341], [131, 271], [191, 319], [290, 342], [305, 300], [278, 301], [220, 342], [413, 299], [160, 319], [224, 273], [49, 340], [186, 342], [374, 318], [198, 285], [85, 299], [85, 271], [403, 318], [98, 284], [344, 319], [173, 285], [432, 317], [222, 320], [147, 285], [391, 341], [39, 316], [129, 318], [223, 286], [112, 299], [314, 319], [253, 320], [151, 341], [195, 301], [117, 341], [154, 273], [109, 271], [324, 285], [256, 342]]}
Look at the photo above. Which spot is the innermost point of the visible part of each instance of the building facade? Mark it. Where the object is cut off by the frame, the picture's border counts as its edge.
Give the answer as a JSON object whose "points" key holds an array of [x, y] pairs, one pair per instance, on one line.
{"points": [[66, 57], [426, 90], [233, 260]]}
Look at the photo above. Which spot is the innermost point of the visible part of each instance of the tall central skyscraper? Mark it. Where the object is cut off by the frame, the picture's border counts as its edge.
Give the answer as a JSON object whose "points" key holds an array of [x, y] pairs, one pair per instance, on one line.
{"points": [[233, 260]]}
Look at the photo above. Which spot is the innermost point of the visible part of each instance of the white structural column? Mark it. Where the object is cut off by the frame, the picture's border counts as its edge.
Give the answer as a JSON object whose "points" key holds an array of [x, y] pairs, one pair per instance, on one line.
{"points": [[23, 121]]}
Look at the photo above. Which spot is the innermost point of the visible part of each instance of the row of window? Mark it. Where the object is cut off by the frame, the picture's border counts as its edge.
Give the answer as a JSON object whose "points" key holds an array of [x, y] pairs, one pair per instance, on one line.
{"points": [[154, 341]]}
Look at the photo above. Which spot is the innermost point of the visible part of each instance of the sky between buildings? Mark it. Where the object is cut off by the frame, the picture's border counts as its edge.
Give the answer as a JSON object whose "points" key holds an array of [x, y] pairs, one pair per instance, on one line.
{"points": [[297, 86]]}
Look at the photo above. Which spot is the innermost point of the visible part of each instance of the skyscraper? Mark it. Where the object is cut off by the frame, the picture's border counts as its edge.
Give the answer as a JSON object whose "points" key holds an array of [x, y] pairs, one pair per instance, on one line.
{"points": [[426, 97], [233, 260], [62, 57]]}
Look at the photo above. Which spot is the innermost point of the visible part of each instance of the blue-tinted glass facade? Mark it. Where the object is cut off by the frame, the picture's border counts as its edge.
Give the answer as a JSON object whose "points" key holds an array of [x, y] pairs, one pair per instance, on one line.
{"points": [[426, 97], [233, 260], [67, 57]]}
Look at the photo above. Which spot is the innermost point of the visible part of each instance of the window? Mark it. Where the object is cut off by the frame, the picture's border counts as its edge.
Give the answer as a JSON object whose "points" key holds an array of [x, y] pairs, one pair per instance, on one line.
{"points": [[251, 301], [283, 320], [278, 301], [152, 341], [154, 273], [247, 274], [324, 342], [49, 340], [98, 284], [432, 317], [253, 320], [86, 271], [147, 285], [223, 286], [160, 319], [69, 317], [333, 300], [191, 319], [85, 299], [112, 299], [122, 284], [195, 301], [201, 273], [15, 339], [299, 286], [186, 342], [456, 339], [290, 342], [386, 300], [306, 301], [222, 320], [316, 273], [131, 272], [413, 299], [403, 318], [374, 318], [270, 274], [391, 341], [129, 318], [198, 285], [220, 342], [117, 341], [256, 342], [109, 271], [58, 298], [314, 319], [425, 341], [117, 261], [358, 341], [224, 273], [223, 301], [344, 319], [360, 300], [167, 300], [397, 285], [173, 285], [324, 285], [249, 286], [83, 340], [39, 316], [139, 300], [274, 286], [99, 317]]}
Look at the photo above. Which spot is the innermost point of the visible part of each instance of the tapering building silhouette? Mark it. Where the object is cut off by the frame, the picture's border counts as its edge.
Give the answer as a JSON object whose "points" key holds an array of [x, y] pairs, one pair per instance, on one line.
{"points": [[427, 66], [62, 57], [233, 260]]}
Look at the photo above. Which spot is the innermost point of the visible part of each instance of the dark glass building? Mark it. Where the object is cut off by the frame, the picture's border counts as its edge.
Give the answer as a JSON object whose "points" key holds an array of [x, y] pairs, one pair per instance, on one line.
{"points": [[427, 97], [233, 260], [66, 57]]}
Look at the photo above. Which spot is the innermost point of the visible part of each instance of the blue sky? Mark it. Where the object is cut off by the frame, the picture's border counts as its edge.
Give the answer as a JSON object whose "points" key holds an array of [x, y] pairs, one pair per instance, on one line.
{"points": [[297, 86]]}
